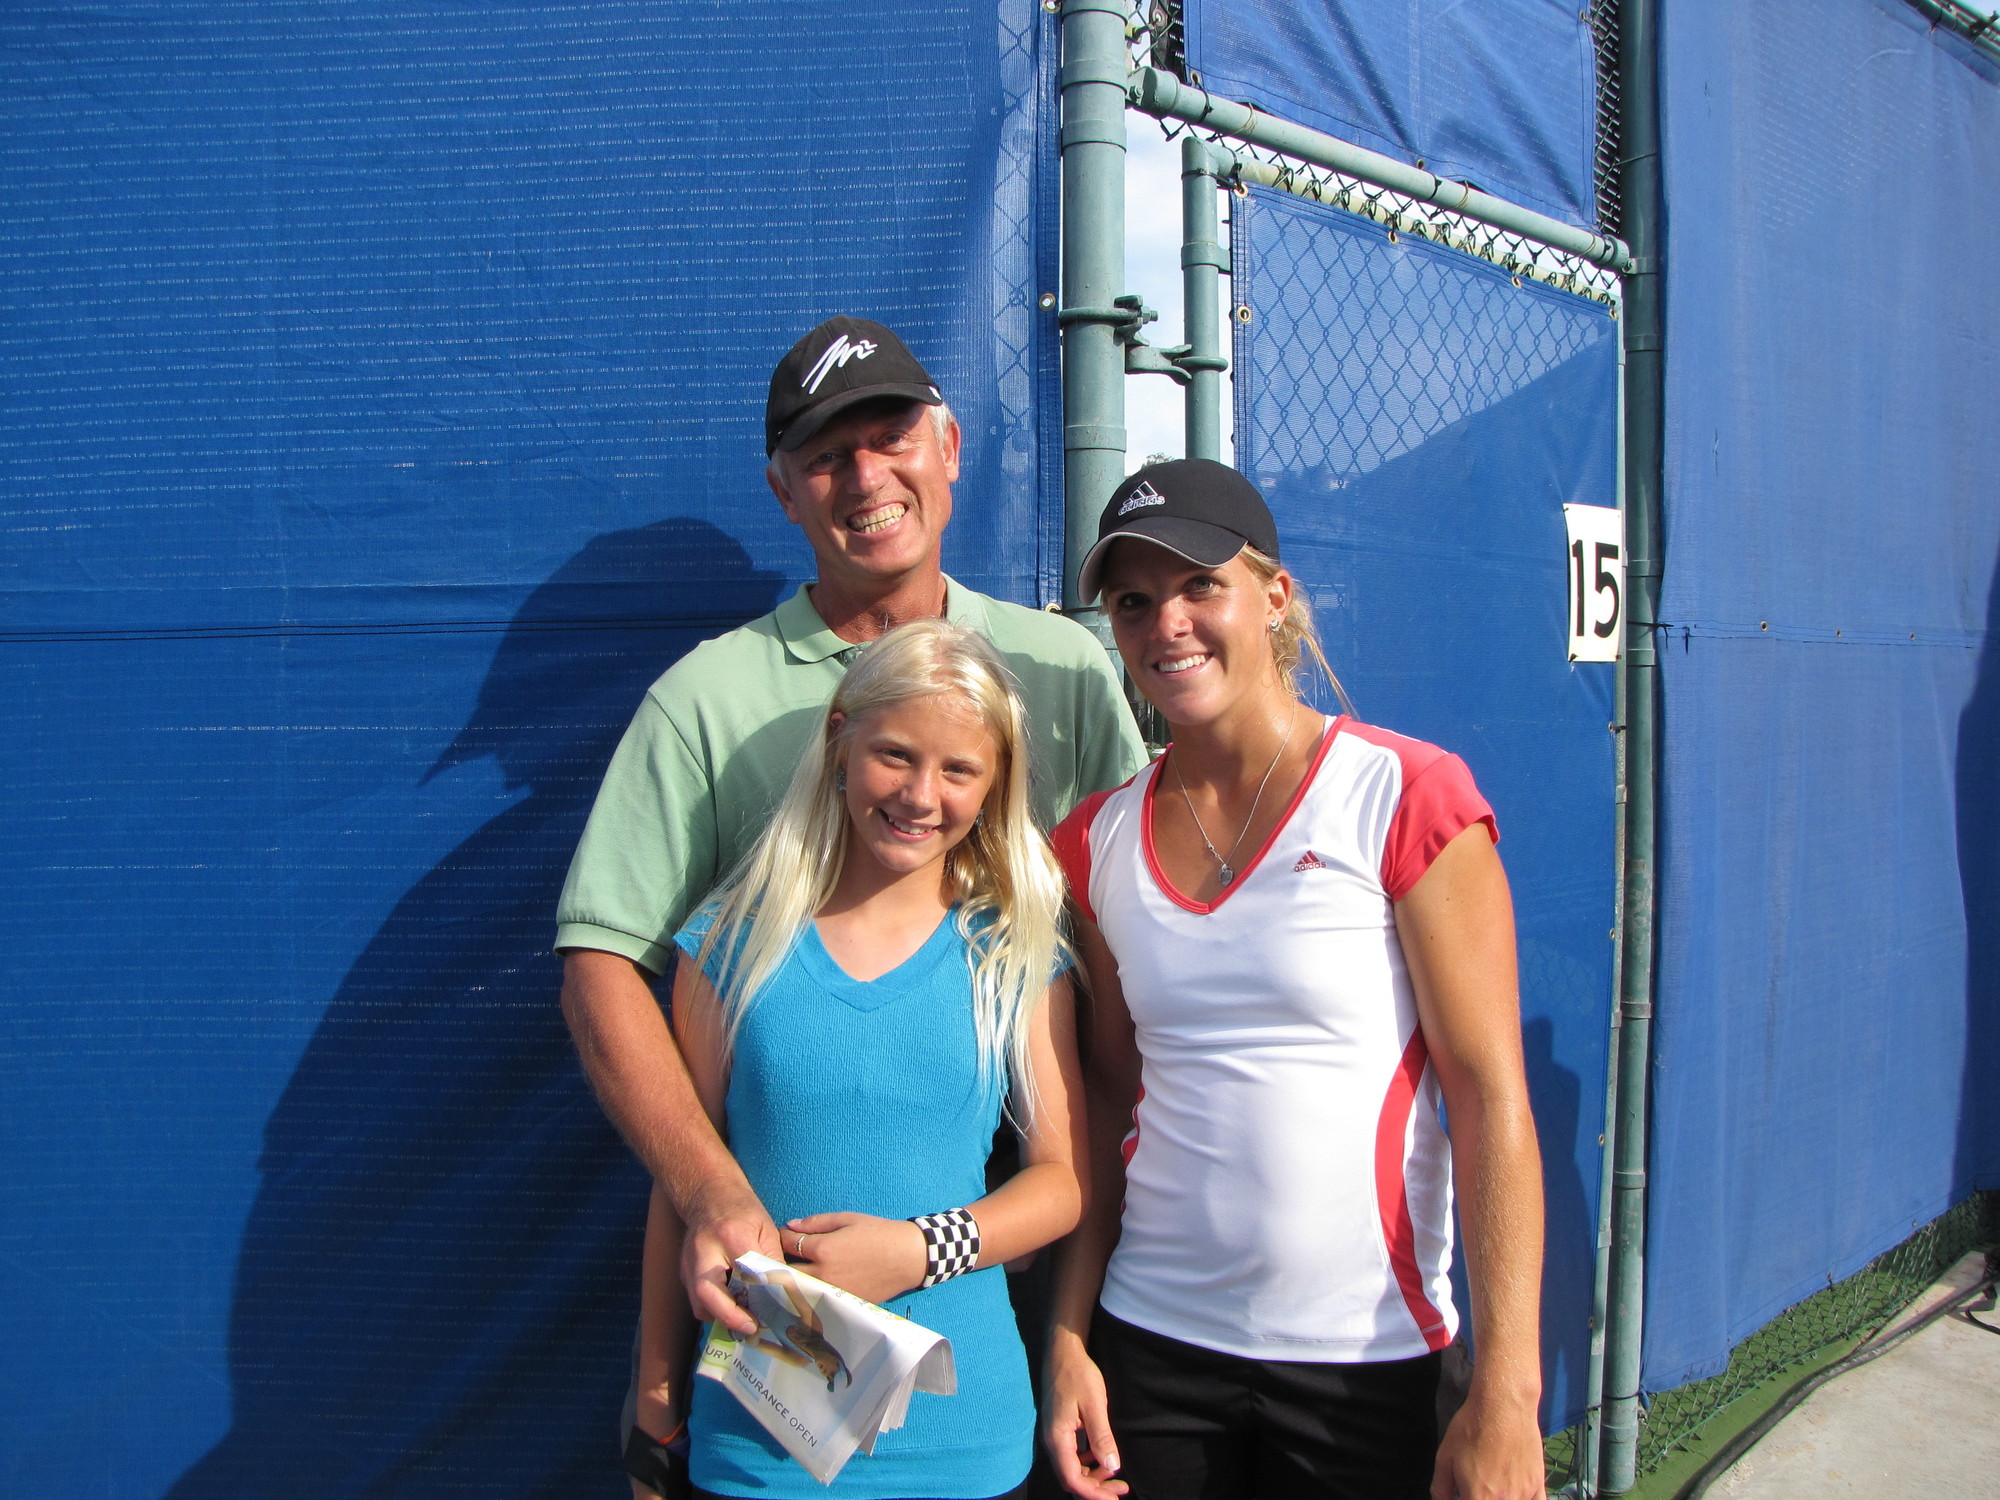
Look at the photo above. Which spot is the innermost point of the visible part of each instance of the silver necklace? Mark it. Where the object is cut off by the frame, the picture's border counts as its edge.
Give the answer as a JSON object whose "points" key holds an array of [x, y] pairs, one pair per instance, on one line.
{"points": [[1223, 867]]}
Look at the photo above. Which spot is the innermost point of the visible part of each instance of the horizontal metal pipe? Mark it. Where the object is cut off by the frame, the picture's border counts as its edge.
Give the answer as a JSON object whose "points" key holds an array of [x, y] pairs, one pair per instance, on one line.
{"points": [[1161, 94]]}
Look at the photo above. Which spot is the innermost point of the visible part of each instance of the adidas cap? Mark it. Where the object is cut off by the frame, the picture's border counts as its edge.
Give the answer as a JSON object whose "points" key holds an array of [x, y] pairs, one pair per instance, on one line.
{"points": [[839, 364], [1203, 510]]}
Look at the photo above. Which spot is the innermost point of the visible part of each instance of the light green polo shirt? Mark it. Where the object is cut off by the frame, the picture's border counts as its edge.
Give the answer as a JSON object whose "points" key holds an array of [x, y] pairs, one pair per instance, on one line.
{"points": [[713, 747]]}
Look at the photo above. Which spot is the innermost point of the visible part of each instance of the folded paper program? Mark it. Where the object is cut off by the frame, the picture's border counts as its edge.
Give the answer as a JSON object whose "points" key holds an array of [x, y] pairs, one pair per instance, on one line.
{"points": [[826, 1372]]}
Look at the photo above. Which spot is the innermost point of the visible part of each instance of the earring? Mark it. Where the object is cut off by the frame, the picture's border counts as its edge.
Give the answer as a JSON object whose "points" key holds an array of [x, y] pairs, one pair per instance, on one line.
{"points": [[1275, 624], [840, 778]]}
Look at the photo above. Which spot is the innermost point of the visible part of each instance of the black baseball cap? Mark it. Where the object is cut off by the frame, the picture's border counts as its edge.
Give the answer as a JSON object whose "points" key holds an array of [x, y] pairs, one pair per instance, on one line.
{"points": [[842, 362], [1201, 509]]}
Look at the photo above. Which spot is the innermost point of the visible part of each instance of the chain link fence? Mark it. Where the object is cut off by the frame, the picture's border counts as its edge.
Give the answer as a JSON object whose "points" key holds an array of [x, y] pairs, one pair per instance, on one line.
{"points": [[1407, 346], [1602, 18], [1156, 36], [1860, 1306]]}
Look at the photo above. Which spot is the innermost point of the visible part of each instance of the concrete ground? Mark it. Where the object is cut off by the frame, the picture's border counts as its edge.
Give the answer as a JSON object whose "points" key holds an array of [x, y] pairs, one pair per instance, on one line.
{"points": [[1922, 1420]]}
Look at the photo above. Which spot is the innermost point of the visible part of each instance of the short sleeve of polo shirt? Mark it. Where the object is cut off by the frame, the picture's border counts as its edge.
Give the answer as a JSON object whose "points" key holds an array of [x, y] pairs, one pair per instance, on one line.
{"points": [[649, 850]]}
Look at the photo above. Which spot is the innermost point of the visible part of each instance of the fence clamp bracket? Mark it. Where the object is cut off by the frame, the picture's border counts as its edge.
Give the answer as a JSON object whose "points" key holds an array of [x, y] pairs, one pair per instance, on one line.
{"points": [[1125, 317]]}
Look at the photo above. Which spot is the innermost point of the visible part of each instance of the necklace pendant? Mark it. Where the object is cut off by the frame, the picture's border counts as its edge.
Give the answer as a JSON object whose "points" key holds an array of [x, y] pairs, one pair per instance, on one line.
{"points": [[1227, 874]]}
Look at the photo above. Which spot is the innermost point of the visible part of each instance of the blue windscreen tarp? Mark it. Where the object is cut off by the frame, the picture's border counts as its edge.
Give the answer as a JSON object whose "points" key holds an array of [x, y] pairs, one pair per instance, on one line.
{"points": [[1418, 423], [1500, 93], [1826, 1061], [383, 397]]}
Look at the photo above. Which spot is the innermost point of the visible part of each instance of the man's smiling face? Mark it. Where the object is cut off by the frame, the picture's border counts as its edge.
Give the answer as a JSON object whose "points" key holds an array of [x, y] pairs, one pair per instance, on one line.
{"points": [[872, 492]]}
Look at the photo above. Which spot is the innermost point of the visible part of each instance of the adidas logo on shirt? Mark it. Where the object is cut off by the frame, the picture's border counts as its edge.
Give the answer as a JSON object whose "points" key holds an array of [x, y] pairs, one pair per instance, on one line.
{"points": [[1142, 497], [1308, 861]]}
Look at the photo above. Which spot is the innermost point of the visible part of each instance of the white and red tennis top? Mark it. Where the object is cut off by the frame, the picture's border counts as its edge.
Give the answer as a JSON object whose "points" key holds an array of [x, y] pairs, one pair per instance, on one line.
{"points": [[1288, 1183]]}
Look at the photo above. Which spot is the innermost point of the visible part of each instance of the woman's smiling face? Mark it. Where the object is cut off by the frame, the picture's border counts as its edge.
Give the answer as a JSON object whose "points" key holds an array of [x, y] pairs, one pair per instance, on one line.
{"points": [[1196, 640], [918, 774]]}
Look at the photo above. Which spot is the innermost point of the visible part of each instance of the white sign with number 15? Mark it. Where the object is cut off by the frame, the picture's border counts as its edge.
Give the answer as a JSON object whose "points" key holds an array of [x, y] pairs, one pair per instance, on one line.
{"points": [[1596, 581]]}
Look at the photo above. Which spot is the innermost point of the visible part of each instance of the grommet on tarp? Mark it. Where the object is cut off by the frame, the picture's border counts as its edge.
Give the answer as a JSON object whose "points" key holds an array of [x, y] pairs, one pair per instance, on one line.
{"points": [[1047, 300], [1243, 315]]}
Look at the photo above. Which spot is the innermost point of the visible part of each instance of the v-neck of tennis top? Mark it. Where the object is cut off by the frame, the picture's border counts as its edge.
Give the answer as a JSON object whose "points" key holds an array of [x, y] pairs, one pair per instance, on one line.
{"points": [[1158, 871]]}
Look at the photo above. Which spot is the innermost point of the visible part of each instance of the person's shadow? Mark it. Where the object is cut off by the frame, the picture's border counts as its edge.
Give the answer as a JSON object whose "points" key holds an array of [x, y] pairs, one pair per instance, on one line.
{"points": [[1569, 1241], [1978, 788], [438, 1279]]}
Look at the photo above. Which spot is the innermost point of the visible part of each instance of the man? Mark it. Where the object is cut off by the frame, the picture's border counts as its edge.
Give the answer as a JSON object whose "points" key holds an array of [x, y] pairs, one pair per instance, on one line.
{"points": [[863, 453]]}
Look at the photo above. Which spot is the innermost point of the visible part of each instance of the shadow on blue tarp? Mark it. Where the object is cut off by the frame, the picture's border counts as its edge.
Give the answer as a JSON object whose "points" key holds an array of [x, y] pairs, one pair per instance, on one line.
{"points": [[438, 1279]]}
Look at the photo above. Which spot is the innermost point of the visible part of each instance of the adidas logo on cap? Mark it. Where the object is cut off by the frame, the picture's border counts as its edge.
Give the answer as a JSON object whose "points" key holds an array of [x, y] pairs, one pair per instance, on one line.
{"points": [[1142, 497]]}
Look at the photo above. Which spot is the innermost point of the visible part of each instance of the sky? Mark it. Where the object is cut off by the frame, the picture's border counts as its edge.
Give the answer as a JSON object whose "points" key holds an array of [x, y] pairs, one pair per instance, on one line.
{"points": [[1154, 418]]}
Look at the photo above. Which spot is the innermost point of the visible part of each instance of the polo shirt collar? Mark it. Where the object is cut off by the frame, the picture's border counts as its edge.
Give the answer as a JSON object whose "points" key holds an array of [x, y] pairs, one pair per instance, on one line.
{"points": [[808, 638]]}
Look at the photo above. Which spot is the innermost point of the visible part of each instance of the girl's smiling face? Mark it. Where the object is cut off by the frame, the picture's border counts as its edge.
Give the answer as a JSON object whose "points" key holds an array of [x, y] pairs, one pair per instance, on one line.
{"points": [[918, 775], [1196, 640]]}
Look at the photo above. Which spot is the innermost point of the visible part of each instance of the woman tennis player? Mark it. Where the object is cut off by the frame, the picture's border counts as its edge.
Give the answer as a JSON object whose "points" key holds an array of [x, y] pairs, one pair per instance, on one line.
{"points": [[1299, 942]]}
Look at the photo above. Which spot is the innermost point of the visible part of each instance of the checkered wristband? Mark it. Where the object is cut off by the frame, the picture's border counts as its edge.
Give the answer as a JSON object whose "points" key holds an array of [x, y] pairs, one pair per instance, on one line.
{"points": [[951, 1244]]}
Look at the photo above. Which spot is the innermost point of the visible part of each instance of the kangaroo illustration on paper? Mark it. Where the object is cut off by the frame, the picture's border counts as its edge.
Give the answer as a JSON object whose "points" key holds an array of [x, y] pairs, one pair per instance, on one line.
{"points": [[784, 1305]]}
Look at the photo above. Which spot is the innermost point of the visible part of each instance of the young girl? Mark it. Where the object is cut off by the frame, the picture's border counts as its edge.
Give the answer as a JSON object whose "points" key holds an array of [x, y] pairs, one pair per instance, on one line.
{"points": [[856, 1003]]}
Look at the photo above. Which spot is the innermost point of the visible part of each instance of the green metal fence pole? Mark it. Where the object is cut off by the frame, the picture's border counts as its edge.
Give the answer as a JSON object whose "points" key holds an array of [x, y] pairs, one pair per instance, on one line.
{"points": [[1202, 265], [1583, 1467], [1094, 69], [1644, 444]]}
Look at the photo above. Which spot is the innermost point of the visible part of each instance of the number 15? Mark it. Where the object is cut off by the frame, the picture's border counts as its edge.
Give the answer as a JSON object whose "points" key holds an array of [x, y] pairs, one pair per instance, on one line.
{"points": [[1605, 552]]}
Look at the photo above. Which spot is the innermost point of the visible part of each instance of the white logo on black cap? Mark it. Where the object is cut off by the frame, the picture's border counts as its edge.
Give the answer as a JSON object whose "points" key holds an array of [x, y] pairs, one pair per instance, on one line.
{"points": [[1142, 497], [838, 353]]}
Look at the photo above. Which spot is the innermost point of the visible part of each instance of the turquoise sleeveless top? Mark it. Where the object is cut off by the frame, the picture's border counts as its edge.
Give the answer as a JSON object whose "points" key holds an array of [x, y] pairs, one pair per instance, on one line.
{"points": [[866, 1097]]}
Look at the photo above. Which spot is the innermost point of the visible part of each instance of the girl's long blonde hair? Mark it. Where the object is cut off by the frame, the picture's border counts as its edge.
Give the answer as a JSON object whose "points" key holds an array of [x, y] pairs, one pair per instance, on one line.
{"points": [[1002, 875]]}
